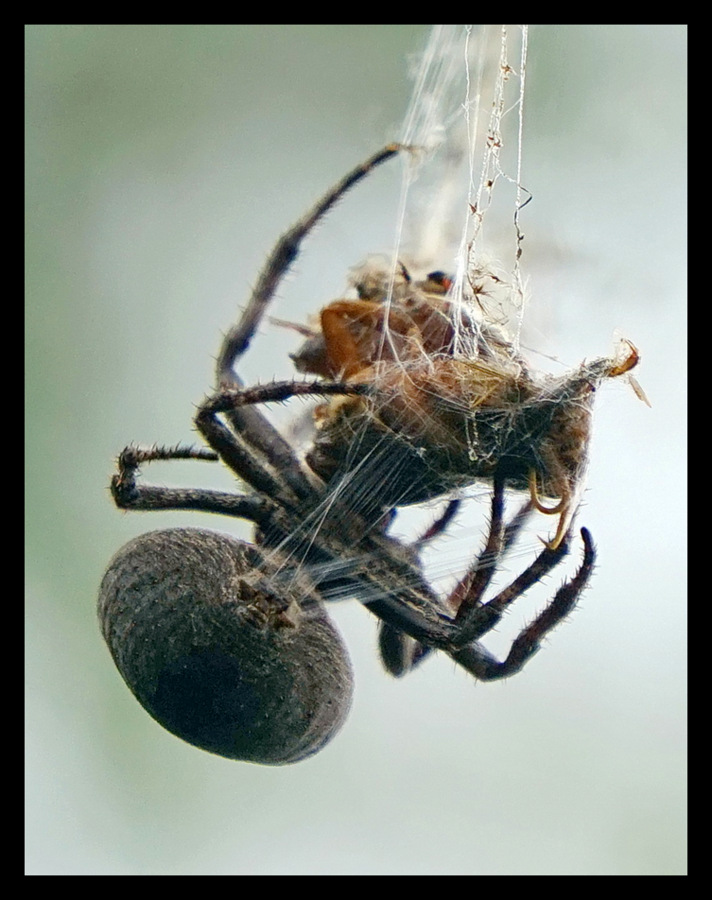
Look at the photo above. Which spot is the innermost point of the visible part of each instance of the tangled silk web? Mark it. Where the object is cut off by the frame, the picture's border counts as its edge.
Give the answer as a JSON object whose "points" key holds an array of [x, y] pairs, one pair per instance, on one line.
{"points": [[465, 124]]}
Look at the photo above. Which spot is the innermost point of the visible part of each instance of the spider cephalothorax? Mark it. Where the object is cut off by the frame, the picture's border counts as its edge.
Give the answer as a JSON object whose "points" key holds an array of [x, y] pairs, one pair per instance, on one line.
{"points": [[228, 644]]}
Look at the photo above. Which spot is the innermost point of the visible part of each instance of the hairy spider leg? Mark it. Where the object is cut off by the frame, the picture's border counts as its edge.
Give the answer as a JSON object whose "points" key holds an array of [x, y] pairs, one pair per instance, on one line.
{"points": [[128, 494], [480, 663], [399, 652], [331, 572], [250, 423], [285, 251]]}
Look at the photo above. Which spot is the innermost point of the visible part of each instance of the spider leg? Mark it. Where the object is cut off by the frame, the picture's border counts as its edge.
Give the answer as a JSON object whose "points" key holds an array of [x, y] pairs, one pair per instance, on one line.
{"points": [[430, 629], [128, 494], [486, 667], [375, 567], [332, 574], [511, 532], [398, 595], [466, 596], [482, 617], [320, 527], [439, 525], [285, 251], [231, 448], [238, 456], [255, 430], [251, 424], [400, 653], [368, 573]]}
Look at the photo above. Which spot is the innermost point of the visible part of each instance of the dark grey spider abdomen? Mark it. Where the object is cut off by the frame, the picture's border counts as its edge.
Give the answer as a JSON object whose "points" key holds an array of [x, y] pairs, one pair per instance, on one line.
{"points": [[216, 654]]}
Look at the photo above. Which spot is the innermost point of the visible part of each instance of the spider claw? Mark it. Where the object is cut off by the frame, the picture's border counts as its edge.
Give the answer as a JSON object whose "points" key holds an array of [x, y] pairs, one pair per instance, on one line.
{"points": [[564, 509], [561, 534], [536, 502]]}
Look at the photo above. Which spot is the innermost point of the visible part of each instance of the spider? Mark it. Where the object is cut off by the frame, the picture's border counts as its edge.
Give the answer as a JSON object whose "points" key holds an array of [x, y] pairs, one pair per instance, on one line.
{"points": [[227, 643]]}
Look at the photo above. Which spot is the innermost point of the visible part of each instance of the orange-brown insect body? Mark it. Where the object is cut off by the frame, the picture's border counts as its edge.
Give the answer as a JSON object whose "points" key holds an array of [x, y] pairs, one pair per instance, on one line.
{"points": [[453, 401]]}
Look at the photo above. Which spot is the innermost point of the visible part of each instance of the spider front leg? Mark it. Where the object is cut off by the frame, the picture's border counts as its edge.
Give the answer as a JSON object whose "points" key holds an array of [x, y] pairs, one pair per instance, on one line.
{"points": [[280, 259], [254, 429], [233, 446], [128, 494]]}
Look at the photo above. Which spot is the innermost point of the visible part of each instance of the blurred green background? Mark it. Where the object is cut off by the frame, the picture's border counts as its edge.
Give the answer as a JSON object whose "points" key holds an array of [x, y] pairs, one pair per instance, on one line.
{"points": [[162, 163]]}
